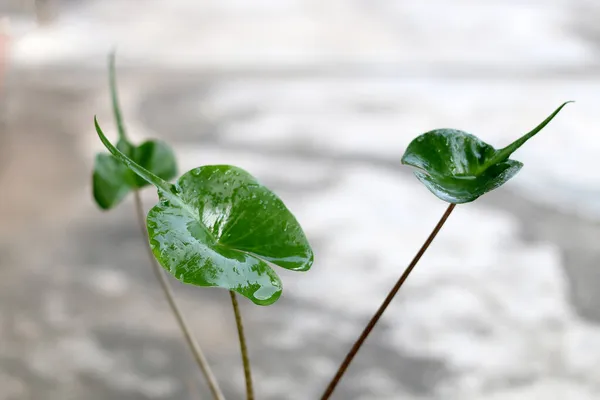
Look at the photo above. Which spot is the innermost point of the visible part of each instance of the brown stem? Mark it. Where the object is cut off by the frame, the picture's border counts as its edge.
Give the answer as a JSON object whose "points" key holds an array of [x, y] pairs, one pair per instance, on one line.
{"points": [[350, 356], [243, 348], [199, 356]]}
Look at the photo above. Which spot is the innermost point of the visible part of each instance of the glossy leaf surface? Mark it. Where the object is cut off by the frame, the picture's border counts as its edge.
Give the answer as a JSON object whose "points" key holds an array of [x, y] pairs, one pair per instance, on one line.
{"points": [[217, 226], [458, 167], [111, 180]]}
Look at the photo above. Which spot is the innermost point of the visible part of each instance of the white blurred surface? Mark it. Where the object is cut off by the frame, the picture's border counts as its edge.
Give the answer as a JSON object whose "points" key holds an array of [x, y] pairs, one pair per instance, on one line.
{"points": [[345, 86]]}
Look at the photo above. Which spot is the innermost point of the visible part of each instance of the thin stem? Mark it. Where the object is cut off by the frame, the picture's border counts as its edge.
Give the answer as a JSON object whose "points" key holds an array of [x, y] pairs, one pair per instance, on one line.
{"points": [[350, 356], [199, 356], [112, 82], [243, 348]]}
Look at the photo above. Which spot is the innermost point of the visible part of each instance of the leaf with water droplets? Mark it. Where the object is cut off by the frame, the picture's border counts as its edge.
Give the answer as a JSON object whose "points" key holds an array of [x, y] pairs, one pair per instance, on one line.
{"points": [[458, 167], [217, 226], [111, 180]]}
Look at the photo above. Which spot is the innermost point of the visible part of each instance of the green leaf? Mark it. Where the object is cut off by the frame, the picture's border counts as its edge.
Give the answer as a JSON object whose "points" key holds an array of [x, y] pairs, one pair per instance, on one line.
{"points": [[458, 167], [111, 179], [155, 156], [218, 226]]}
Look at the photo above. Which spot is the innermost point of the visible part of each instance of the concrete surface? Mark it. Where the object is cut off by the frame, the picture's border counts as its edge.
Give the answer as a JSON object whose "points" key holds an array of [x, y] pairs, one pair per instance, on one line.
{"points": [[318, 100]]}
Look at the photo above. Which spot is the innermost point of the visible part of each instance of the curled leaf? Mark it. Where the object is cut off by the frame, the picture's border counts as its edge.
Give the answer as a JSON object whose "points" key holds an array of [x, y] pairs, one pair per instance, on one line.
{"points": [[458, 167], [217, 226]]}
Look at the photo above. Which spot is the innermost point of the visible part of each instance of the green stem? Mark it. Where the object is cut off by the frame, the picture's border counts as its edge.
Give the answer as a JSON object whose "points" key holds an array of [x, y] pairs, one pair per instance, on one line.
{"points": [[112, 80], [197, 352], [365, 333], [243, 348], [504, 153]]}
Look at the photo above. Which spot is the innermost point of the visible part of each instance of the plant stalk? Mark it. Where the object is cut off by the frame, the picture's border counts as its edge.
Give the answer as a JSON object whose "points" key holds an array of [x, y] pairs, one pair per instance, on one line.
{"points": [[243, 348], [199, 356], [350, 356]]}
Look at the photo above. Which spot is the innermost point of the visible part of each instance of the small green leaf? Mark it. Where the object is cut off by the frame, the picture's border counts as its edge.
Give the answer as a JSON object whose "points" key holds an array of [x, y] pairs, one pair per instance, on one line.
{"points": [[111, 179], [458, 167], [155, 156], [217, 226]]}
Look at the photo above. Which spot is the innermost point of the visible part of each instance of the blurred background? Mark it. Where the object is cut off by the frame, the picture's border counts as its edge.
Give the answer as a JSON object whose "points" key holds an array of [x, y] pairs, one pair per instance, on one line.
{"points": [[318, 99]]}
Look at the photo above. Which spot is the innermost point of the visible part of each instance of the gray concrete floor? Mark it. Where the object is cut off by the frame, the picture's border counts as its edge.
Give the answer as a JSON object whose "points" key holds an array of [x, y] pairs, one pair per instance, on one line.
{"points": [[319, 101]]}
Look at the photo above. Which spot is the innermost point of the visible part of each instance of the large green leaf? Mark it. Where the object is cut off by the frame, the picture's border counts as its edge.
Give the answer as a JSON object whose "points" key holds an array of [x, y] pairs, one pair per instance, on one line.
{"points": [[458, 167], [217, 226], [111, 180]]}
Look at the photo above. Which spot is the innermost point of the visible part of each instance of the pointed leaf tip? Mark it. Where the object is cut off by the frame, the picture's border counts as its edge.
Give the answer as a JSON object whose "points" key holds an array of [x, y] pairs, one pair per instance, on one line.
{"points": [[504, 153]]}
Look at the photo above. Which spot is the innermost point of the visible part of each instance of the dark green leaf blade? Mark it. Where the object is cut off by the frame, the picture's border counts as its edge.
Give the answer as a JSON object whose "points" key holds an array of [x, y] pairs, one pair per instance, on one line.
{"points": [[464, 189], [458, 167], [447, 153], [109, 181], [183, 246], [230, 228], [157, 157], [242, 214]]}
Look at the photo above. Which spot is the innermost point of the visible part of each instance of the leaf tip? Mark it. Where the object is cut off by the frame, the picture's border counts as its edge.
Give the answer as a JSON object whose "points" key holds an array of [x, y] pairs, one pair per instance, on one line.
{"points": [[565, 103], [310, 259], [267, 302], [97, 126]]}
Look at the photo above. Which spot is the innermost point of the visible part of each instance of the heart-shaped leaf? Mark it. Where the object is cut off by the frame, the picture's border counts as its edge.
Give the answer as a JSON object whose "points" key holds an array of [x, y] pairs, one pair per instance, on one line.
{"points": [[217, 226], [111, 180], [458, 167]]}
